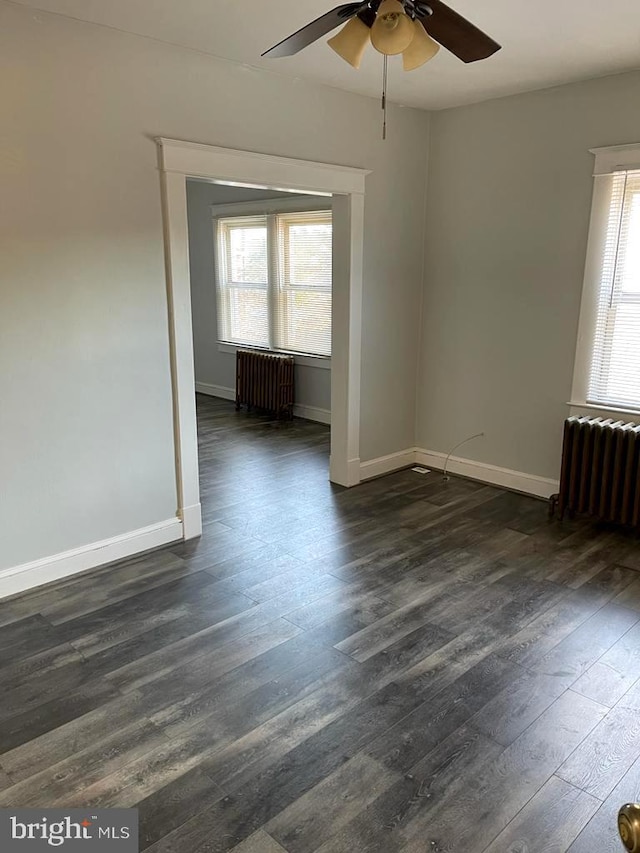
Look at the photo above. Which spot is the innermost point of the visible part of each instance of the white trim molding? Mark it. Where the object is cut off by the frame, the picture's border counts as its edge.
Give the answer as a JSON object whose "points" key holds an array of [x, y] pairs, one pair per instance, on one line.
{"points": [[191, 518], [261, 171], [388, 464], [616, 157], [596, 411], [518, 481], [506, 478], [295, 204], [309, 413], [317, 362], [312, 413], [215, 391], [607, 162], [39, 572], [179, 160]]}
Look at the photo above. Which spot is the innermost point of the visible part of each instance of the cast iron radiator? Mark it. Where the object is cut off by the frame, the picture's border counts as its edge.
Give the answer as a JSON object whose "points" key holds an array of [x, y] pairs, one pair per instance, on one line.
{"points": [[265, 382], [601, 470]]}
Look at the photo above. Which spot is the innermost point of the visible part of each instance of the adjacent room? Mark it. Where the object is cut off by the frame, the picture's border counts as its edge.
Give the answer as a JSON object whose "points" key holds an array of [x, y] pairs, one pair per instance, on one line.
{"points": [[320, 419], [260, 266], [260, 271]]}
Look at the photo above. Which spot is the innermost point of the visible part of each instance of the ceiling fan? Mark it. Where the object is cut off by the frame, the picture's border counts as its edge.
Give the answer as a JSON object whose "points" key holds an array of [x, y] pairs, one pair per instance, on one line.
{"points": [[414, 28]]}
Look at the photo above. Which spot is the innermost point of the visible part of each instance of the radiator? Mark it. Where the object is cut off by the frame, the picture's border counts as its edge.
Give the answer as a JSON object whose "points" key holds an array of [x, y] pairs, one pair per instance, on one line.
{"points": [[601, 470], [265, 382]]}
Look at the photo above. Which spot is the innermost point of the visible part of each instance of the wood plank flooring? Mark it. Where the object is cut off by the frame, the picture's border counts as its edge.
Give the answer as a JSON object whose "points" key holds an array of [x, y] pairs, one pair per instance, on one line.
{"points": [[403, 667]]}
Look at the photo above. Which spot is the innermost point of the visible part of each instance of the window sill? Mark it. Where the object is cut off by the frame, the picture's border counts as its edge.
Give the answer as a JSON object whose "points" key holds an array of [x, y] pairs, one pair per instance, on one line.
{"points": [[577, 408], [317, 361]]}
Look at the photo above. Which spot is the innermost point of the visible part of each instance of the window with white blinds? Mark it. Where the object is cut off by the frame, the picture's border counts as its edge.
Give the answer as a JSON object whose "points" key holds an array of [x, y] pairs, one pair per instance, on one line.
{"points": [[274, 281], [614, 378]]}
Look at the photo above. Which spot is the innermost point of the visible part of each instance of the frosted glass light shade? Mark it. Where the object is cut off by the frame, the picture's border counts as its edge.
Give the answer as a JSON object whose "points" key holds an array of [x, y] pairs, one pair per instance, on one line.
{"points": [[350, 43], [392, 30], [421, 49]]}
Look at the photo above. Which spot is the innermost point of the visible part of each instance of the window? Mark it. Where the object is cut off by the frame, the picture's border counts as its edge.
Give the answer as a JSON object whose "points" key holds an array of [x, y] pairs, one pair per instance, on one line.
{"points": [[274, 281], [615, 370], [608, 357]]}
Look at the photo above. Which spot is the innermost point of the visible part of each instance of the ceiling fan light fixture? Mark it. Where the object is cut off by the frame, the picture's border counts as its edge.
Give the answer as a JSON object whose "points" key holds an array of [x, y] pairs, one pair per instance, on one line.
{"points": [[392, 31], [351, 42], [421, 49]]}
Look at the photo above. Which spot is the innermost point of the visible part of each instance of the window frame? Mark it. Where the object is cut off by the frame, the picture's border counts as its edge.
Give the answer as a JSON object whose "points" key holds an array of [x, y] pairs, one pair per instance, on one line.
{"points": [[268, 208], [224, 294], [608, 161]]}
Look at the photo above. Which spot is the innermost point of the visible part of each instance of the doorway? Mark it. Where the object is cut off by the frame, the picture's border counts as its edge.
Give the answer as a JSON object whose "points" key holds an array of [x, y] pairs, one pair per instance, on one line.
{"points": [[260, 265], [179, 161]]}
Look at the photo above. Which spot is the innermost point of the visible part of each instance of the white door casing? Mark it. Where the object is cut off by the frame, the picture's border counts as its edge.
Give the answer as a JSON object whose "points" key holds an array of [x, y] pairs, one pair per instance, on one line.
{"points": [[180, 160]]}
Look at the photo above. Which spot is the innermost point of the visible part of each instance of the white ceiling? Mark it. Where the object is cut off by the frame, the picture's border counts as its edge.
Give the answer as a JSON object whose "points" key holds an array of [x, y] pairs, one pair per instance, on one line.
{"points": [[545, 42]]}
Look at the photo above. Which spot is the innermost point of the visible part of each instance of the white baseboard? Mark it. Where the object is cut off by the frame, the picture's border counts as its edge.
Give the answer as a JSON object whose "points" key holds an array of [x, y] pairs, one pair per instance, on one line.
{"points": [[344, 475], [387, 464], [29, 575], [312, 413], [309, 413], [530, 484], [191, 521], [518, 481], [215, 391]]}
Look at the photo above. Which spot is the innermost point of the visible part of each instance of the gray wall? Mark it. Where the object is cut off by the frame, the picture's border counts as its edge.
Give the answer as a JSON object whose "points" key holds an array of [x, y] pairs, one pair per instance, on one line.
{"points": [[313, 385], [85, 393], [509, 197]]}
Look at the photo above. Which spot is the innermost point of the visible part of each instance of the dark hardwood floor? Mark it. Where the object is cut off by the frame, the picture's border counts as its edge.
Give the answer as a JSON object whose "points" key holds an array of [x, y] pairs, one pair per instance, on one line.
{"points": [[410, 666]]}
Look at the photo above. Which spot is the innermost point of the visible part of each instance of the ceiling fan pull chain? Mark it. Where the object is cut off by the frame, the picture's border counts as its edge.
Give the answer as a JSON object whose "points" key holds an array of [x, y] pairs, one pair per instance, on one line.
{"points": [[384, 96]]}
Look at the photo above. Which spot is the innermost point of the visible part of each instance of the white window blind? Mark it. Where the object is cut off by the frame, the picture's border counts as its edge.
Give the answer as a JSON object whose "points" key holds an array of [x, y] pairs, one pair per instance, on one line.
{"points": [[615, 369], [274, 281], [304, 315], [243, 281]]}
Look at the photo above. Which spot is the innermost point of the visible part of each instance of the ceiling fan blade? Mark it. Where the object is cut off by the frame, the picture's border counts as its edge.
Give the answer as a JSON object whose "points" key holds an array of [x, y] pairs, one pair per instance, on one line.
{"points": [[315, 30], [457, 34]]}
